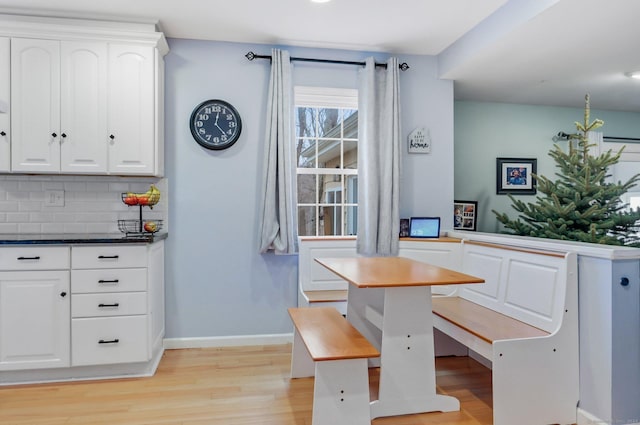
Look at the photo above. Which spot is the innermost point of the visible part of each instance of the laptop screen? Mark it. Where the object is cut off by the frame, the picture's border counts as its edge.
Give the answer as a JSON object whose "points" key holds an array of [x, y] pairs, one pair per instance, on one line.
{"points": [[424, 227]]}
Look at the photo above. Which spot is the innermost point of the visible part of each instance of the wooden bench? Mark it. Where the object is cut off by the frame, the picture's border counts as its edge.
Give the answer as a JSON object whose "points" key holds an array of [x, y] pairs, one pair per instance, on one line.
{"points": [[524, 320], [327, 346]]}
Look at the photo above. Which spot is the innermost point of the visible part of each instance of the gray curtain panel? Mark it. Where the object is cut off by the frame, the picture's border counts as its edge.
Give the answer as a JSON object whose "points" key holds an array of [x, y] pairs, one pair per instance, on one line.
{"points": [[379, 160], [278, 218]]}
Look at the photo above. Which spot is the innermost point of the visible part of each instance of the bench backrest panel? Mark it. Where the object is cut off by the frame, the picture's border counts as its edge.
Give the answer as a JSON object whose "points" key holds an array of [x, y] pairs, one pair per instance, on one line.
{"points": [[314, 277], [527, 285]]}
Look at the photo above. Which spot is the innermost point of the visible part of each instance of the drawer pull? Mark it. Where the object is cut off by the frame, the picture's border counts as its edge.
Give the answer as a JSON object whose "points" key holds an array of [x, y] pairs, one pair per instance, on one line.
{"points": [[102, 281], [108, 305], [29, 258], [110, 341], [107, 257]]}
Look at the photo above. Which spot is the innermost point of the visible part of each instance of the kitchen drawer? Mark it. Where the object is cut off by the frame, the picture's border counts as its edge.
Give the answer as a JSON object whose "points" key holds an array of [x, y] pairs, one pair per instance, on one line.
{"points": [[34, 258], [107, 340], [109, 304], [108, 256], [108, 280]]}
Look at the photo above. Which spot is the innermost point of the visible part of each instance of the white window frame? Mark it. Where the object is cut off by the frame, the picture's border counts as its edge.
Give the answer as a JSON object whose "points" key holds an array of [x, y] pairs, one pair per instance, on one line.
{"points": [[323, 97]]}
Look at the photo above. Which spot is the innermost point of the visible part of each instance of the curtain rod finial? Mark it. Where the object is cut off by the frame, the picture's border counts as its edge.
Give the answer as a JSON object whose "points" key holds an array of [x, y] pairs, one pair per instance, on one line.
{"points": [[404, 66], [250, 56]]}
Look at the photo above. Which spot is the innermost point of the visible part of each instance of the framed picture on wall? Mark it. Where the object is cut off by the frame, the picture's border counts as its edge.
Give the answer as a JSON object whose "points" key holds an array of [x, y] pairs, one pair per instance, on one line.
{"points": [[465, 215], [515, 176]]}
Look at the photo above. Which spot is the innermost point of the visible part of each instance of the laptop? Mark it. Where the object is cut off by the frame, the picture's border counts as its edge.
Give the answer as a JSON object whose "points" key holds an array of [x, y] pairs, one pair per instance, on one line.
{"points": [[424, 227]]}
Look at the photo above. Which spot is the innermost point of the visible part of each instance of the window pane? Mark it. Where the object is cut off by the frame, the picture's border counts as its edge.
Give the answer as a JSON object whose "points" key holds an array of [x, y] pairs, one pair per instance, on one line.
{"points": [[330, 184], [307, 220], [329, 123], [350, 154], [351, 189], [329, 154], [307, 191], [332, 220], [306, 122], [351, 221], [350, 118], [306, 151]]}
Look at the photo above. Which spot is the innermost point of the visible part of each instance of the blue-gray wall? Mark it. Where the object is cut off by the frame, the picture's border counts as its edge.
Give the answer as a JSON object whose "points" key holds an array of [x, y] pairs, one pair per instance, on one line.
{"points": [[217, 284], [485, 131]]}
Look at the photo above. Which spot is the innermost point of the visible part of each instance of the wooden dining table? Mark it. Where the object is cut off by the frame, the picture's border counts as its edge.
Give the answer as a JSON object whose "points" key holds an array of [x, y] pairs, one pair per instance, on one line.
{"points": [[389, 302]]}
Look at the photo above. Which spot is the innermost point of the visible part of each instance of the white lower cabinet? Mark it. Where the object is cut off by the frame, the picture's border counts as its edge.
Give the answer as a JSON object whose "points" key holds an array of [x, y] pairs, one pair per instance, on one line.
{"points": [[34, 308], [96, 310], [34, 319], [109, 305], [109, 340]]}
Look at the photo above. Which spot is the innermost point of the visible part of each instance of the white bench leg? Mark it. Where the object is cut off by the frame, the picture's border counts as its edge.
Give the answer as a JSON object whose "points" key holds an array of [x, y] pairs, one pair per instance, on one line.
{"points": [[341, 393], [301, 362]]}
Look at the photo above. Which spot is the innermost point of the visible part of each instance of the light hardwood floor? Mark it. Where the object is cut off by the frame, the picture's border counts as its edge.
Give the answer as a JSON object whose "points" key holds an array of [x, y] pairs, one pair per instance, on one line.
{"points": [[230, 386]]}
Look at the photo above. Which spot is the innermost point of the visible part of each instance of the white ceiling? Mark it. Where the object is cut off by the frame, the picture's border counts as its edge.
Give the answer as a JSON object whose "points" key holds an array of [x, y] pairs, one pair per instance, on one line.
{"points": [[549, 52]]}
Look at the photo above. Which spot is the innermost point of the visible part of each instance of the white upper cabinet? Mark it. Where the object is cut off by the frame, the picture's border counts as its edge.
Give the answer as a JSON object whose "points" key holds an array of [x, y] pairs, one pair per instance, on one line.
{"points": [[131, 109], [84, 141], [35, 105], [5, 109], [81, 103]]}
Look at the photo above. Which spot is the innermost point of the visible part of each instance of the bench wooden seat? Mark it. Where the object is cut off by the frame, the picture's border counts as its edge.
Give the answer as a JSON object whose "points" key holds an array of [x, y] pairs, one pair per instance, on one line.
{"points": [[327, 346], [482, 322], [329, 336], [326, 296]]}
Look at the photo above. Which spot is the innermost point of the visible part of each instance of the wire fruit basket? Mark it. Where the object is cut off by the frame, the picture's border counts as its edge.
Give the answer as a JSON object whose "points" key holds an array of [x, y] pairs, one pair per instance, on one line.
{"points": [[139, 227]]}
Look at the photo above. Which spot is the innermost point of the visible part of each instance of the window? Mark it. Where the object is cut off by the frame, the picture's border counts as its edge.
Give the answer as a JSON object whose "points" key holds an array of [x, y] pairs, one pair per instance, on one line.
{"points": [[327, 161]]}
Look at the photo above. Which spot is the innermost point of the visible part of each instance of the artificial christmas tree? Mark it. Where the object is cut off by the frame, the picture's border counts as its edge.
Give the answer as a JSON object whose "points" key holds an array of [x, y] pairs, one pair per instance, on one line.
{"points": [[581, 204]]}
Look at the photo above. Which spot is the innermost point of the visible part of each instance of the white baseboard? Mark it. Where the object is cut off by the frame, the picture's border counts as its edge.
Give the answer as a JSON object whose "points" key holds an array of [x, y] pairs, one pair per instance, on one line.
{"points": [[227, 341], [585, 418]]}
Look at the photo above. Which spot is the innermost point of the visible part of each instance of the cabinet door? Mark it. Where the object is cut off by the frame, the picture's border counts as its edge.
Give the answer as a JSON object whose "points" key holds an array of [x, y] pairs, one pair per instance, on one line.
{"points": [[131, 110], [5, 110], [84, 143], [35, 105], [34, 320]]}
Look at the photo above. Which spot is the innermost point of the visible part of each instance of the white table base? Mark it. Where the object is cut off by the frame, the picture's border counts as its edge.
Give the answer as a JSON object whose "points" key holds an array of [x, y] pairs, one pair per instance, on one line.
{"points": [[407, 363]]}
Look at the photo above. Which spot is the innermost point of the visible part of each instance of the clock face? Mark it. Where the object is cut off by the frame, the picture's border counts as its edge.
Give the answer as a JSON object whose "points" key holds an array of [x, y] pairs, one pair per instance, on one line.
{"points": [[215, 124]]}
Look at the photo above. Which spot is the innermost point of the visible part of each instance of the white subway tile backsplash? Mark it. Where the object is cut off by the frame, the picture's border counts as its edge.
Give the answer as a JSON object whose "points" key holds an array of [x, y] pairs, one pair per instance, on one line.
{"points": [[91, 203], [9, 228], [30, 228], [13, 217]]}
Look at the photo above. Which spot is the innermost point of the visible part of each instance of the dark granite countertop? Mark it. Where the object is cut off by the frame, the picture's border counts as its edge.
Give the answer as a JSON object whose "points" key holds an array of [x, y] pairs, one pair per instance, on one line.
{"points": [[81, 238]]}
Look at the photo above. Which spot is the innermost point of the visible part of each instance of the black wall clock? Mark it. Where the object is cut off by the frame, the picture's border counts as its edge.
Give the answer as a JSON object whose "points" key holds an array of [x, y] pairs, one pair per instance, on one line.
{"points": [[215, 124]]}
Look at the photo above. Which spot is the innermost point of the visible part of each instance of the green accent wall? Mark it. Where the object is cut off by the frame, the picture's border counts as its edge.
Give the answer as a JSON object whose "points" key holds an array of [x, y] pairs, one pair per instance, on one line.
{"points": [[485, 131]]}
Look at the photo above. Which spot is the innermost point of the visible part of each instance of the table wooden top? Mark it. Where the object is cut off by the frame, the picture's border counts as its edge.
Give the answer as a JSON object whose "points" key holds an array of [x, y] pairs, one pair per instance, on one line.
{"points": [[382, 272]]}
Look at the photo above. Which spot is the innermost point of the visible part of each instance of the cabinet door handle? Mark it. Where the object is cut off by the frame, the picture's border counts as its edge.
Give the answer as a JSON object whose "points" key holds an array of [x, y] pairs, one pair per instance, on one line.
{"points": [[111, 136], [2, 133], [102, 281], [63, 294], [54, 135], [108, 305], [63, 135], [106, 257], [29, 258], [109, 341]]}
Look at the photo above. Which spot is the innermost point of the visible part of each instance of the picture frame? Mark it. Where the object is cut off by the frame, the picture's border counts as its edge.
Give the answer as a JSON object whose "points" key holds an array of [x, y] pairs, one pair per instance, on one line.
{"points": [[404, 227], [465, 215], [515, 176]]}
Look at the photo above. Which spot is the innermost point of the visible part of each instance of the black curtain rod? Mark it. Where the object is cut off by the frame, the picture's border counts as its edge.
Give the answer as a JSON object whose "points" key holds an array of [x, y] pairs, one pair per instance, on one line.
{"points": [[251, 56], [629, 139]]}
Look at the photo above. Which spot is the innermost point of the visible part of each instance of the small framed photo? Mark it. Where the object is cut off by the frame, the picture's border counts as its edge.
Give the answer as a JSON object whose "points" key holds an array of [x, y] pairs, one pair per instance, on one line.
{"points": [[465, 215], [515, 176], [404, 227]]}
